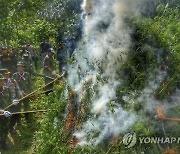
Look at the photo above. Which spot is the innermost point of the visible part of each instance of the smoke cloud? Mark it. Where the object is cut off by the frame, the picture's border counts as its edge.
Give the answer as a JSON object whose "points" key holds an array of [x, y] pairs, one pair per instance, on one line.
{"points": [[107, 39]]}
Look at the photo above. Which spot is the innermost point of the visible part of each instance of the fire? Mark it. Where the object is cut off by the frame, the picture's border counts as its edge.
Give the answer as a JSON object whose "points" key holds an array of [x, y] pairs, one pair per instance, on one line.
{"points": [[170, 151], [71, 122], [73, 142], [71, 116], [160, 113], [162, 117]]}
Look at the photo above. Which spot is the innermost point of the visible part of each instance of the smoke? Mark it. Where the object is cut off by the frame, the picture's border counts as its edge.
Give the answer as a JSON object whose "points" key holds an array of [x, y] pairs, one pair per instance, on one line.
{"points": [[105, 127], [107, 39], [148, 96]]}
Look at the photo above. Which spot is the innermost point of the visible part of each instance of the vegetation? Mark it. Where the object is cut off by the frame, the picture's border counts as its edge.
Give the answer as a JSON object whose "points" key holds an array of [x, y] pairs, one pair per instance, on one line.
{"points": [[32, 20]]}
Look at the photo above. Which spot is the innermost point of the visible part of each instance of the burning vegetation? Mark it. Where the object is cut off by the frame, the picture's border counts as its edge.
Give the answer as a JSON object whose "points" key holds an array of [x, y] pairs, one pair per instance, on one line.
{"points": [[123, 77]]}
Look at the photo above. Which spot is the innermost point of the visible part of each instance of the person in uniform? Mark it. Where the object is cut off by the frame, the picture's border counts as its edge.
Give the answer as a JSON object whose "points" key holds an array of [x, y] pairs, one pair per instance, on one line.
{"points": [[49, 70], [71, 44], [44, 47], [11, 83], [2, 72], [27, 64], [16, 94], [6, 59], [24, 82], [62, 56], [5, 100], [33, 54], [24, 51], [15, 57]]}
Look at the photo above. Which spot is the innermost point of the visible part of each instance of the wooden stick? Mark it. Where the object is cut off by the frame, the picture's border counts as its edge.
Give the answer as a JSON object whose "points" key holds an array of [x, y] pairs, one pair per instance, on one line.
{"points": [[25, 112], [35, 91], [42, 75], [41, 93]]}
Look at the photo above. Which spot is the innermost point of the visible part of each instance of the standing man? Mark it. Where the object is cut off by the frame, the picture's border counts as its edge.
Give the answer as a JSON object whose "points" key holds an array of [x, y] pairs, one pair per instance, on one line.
{"points": [[24, 82], [71, 44], [11, 83], [44, 47], [14, 59], [16, 94], [24, 52], [27, 64], [62, 56], [49, 70], [6, 59], [2, 72], [33, 54], [5, 100]]}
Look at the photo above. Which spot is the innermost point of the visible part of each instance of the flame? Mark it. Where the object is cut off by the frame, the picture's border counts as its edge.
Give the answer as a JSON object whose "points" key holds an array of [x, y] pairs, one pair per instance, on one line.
{"points": [[160, 113], [73, 142], [170, 151], [71, 122], [71, 117], [162, 117]]}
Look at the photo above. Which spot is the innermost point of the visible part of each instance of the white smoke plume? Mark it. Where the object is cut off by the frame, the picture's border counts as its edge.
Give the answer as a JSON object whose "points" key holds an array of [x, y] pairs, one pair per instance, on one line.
{"points": [[148, 96], [107, 41]]}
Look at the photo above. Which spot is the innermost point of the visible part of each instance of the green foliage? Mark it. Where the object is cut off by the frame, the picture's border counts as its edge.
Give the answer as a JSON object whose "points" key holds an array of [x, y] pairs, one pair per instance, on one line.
{"points": [[16, 16], [51, 138], [22, 20], [27, 20]]}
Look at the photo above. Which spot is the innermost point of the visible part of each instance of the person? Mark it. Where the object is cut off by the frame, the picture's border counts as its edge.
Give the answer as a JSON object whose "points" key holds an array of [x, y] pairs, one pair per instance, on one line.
{"points": [[23, 52], [62, 57], [3, 71], [6, 59], [27, 64], [12, 85], [44, 47], [5, 99], [33, 54], [14, 59], [71, 44], [49, 70], [24, 82], [16, 94]]}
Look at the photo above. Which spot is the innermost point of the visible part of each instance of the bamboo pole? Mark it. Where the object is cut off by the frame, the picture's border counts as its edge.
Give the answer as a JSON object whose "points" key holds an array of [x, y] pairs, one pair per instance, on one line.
{"points": [[27, 96], [41, 92], [42, 75], [25, 112]]}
